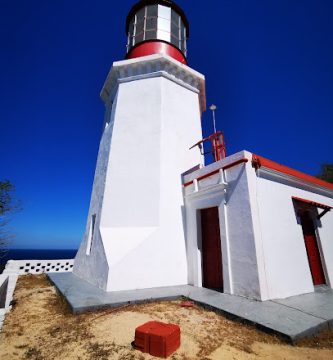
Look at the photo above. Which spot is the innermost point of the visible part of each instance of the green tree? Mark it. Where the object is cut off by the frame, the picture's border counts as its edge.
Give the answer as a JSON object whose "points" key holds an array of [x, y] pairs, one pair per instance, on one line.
{"points": [[326, 173], [8, 205]]}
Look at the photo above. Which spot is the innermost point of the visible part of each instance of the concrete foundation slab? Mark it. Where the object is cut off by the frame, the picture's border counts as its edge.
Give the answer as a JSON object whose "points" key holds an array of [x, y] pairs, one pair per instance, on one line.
{"points": [[318, 303], [83, 296], [291, 318]]}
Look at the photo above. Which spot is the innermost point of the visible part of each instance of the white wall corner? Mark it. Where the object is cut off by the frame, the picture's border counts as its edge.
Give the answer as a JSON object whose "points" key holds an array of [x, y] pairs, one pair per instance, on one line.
{"points": [[93, 268], [255, 215]]}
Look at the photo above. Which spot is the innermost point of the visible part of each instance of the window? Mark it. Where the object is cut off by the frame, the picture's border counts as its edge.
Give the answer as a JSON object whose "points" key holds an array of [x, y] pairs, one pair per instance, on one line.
{"points": [[175, 30], [183, 38], [164, 12], [175, 40], [175, 18], [152, 11], [141, 15], [151, 24], [163, 35], [91, 234], [182, 31], [140, 27], [157, 22], [163, 24], [131, 27], [150, 35], [139, 37]]}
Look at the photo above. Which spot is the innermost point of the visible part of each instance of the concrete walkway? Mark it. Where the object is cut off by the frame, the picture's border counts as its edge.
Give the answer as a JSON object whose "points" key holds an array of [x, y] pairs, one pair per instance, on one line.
{"points": [[291, 318]]}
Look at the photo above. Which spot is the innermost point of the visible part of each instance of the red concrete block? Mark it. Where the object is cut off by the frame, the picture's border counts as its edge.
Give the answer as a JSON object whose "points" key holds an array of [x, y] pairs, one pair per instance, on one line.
{"points": [[157, 339], [142, 335], [164, 340]]}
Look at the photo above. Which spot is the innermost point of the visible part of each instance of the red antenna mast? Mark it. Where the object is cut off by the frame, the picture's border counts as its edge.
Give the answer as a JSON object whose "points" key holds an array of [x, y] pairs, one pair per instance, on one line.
{"points": [[218, 148]]}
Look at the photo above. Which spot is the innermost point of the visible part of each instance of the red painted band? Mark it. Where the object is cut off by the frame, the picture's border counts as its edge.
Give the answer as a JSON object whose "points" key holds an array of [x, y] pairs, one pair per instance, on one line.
{"points": [[310, 202], [156, 47], [259, 161], [240, 161]]}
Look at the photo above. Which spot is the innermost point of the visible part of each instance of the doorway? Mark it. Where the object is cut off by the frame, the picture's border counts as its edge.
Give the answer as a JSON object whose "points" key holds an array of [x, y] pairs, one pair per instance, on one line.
{"points": [[212, 277], [312, 249]]}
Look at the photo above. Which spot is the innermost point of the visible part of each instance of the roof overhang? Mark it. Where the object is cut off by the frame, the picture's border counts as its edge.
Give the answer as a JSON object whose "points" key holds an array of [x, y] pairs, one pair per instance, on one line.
{"points": [[291, 176], [306, 204], [312, 203]]}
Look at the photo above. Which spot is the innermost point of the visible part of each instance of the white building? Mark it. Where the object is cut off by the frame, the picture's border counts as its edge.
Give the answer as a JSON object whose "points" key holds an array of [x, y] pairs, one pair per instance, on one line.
{"points": [[158, 217]]}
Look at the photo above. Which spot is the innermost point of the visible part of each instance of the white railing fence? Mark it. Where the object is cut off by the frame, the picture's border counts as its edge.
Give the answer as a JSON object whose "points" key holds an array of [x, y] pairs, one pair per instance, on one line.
{"points": [[14, 268], [24, 267]]}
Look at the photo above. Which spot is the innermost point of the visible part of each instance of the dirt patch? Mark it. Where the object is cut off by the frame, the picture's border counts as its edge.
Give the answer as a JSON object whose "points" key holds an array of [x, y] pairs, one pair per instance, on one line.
{"points": [[41, 327], [322, 341]]}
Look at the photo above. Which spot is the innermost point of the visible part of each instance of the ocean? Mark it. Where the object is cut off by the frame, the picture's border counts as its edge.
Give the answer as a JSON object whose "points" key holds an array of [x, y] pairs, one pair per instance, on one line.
{"points": [[36, 254]]}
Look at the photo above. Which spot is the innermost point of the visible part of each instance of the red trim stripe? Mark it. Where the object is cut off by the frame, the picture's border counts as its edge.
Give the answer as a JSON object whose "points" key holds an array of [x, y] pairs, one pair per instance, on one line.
{"points": [[259, 161], [240, 161], [319, 205], [153, 47]]}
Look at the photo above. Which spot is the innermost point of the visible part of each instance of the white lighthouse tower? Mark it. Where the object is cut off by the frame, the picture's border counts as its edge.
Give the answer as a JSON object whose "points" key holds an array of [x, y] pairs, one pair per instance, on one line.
{"points": [[135, 234]]}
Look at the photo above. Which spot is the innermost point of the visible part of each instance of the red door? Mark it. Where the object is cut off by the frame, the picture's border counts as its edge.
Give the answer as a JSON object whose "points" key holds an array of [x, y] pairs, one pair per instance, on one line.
{"points": [[312, 249], [211, 249]]}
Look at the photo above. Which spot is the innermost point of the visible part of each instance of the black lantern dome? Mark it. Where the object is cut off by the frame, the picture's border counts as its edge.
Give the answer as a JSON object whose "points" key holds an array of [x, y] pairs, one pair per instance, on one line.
{"points": [[157, 27]]}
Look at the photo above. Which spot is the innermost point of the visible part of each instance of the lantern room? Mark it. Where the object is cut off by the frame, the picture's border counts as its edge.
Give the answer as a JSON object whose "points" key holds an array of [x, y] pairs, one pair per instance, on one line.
{"points": [[157, 27]]}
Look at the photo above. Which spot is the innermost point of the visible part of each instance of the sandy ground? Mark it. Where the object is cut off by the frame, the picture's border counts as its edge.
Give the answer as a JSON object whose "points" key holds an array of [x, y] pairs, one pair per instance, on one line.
{"points": [[40, 326]]}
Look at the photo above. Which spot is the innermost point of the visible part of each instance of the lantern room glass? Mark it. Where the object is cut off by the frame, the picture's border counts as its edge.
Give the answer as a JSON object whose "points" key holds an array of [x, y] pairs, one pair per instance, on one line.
{"points": [[157, 22]]}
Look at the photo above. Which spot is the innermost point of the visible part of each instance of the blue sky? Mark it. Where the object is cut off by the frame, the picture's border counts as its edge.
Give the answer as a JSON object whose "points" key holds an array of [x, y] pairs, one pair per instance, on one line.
{"points": [[268, 66]]}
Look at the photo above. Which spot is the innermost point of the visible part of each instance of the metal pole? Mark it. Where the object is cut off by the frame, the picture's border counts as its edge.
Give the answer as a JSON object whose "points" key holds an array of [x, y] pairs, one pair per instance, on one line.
{"points": [[213, 108], [214, 121]]}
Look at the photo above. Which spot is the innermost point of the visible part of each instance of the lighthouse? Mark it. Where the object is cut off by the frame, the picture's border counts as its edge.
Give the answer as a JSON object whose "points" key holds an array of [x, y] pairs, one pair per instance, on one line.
{"points": [[243, 225], [135, 233]]}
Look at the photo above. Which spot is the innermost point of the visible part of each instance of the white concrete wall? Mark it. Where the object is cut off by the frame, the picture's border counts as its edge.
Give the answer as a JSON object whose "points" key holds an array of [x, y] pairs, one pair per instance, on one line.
{"points": [[286, 265], [140, 207], [92, 264], [142, 218], [264, 254], [243, 255], [240, 268]]}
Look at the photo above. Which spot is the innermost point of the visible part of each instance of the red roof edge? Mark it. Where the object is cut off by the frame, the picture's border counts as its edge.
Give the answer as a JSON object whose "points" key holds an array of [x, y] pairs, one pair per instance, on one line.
{"points": [[310, 202], [259, 161]]}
